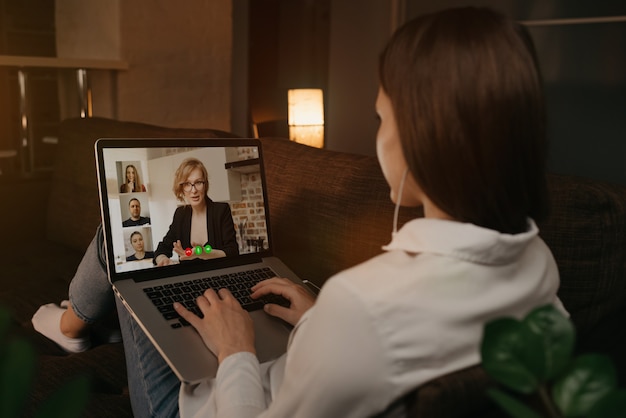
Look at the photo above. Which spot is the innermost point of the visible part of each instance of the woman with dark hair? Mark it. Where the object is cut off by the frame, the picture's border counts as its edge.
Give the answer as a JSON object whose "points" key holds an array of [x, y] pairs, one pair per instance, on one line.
{"points": [[471, 120], [132, 182], [461, 133]]}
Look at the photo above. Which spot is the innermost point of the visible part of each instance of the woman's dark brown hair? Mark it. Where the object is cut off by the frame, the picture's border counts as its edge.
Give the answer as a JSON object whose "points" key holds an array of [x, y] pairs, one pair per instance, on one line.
{"points": [[467, 96]]}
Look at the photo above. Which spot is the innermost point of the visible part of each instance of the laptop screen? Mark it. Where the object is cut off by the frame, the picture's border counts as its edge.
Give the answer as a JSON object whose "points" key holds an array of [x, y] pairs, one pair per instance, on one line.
{"points": [[176, 204]]}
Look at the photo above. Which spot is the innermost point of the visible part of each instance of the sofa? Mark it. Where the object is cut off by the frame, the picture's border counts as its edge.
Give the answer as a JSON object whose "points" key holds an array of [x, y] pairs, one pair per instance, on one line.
{"points": [[329, 211]]}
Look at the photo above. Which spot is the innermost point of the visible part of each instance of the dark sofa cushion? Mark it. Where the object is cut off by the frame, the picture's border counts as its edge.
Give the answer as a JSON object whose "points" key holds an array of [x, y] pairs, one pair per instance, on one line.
{"points": [[586, 232], [455, 395], [73, 207], [587, 235], [105, 369], [31, 281], [329, 210]]}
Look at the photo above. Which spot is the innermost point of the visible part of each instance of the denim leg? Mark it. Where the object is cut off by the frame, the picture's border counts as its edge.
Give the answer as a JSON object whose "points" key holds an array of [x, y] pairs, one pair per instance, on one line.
{"points": [[152, 384], [90, 292]]}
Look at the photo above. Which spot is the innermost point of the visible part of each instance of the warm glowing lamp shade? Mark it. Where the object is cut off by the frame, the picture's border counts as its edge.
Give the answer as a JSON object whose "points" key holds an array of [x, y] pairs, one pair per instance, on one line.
{"points": [[306, 116]]}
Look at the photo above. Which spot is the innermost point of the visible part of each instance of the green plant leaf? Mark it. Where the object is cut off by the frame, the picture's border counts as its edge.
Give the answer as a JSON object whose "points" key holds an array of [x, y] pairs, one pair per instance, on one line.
{"points": [[17, 368], [589, 379], [512, 406], [555, 335], [504, 354], [612, 405], [67, 402]]}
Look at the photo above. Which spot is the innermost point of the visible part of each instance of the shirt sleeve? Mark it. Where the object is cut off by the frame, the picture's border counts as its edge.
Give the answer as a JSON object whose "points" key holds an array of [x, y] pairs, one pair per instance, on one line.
{"points": [[336, 366], [236, 392], [336, 363], [238, 387]]}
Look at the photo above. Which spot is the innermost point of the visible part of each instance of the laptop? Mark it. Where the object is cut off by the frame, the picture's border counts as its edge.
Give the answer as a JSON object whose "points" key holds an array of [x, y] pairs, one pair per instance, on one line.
{"points": [[145, 213]]}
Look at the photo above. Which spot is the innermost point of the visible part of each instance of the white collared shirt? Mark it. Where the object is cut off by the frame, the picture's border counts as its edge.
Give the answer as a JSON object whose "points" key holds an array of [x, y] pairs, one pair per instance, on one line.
{"points": [[388, 325]]}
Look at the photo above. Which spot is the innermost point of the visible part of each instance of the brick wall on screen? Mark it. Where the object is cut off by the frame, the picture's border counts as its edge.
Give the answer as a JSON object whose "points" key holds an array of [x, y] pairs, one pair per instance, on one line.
{"points": [[250, 213]]}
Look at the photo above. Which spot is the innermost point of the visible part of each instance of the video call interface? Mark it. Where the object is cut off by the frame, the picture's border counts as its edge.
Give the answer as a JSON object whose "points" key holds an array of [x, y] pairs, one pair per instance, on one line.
{"points": [[142, 202]]}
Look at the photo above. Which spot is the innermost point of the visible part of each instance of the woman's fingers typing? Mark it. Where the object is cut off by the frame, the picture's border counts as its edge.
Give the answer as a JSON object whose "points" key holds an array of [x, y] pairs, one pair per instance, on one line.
{"points": [[299, 298], [226, 327]]}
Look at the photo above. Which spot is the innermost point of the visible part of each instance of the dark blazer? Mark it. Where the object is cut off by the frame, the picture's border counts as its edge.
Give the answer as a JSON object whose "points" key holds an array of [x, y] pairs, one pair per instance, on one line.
{"points": [[220, 229]]}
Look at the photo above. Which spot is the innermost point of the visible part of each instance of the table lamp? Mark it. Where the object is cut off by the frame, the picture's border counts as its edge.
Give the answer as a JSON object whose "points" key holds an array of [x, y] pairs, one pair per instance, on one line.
{"points": [[306, 116]]}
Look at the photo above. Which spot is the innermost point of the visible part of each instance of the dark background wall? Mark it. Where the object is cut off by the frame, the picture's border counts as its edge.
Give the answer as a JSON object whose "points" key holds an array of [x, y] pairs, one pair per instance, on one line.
{"points": [[287, 49], [334, 45], [584, 67]]}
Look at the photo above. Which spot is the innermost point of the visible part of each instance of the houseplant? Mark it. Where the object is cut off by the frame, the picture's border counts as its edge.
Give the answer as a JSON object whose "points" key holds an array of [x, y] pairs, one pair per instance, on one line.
{"points": [[17, 371], [534, 357]]}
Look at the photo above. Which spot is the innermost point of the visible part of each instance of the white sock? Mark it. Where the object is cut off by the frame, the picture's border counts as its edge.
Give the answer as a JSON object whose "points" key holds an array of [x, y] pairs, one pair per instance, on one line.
{"points": [[47, 321]]}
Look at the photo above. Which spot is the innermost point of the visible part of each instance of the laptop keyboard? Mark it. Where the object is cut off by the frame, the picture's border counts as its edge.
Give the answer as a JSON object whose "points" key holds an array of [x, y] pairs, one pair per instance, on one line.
{"points": [[186, 293]]}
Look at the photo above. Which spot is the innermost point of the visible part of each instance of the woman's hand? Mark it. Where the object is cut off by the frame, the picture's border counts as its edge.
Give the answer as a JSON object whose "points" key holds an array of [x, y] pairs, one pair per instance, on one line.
{"points": [[162, 260], [226, 327], [178, 249], [299, 298]]}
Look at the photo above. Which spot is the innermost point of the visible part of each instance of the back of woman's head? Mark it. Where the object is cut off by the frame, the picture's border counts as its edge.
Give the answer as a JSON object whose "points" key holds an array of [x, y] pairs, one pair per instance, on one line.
{"points": [[467, 97]]}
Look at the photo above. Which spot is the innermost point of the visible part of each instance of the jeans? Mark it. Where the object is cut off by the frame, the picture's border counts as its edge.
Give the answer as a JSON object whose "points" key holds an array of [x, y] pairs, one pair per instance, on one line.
{"points": [[152, 385], [90, 292]]}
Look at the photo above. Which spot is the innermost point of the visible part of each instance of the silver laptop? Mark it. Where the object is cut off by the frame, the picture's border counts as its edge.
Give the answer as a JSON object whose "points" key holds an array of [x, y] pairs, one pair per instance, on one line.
{"points": [[145, 212]]}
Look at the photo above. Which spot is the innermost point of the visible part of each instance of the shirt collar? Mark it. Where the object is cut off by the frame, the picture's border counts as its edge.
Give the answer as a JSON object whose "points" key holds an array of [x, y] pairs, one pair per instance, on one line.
{"points": [[461, 240]]}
